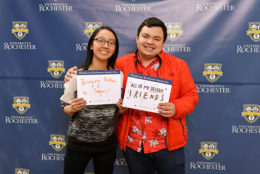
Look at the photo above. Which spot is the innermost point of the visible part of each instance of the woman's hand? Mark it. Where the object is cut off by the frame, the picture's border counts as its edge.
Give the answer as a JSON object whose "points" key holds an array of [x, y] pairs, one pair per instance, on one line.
{"points": [[76, 105], [121, 109]]}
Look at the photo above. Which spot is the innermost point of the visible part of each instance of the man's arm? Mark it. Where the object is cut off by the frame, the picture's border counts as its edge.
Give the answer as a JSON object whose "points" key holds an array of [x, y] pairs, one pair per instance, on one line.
{"points": [[188, 96], [70, 72]]}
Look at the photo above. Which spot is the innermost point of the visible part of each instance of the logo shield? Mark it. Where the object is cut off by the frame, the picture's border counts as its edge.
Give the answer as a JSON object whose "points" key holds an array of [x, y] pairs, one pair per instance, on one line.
{"points": [[254, 31], [21, 104], [208, 150], [56, 68], [91, 27], [174, 31], [251, 113], [22, 171], [212, 71], [57, 142], [20, 29]]}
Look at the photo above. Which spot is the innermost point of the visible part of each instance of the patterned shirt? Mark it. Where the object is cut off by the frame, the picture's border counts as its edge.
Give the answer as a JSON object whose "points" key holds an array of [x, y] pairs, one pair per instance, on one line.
{"points": [[147, 130], [94, 123], [92, 128]]}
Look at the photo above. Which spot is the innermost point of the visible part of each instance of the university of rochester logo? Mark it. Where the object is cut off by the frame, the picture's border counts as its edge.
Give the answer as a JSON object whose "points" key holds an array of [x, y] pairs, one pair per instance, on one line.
{"points": [[251, 112], [174, 31], [208, 149], [22, 171], [57, 142], [56, 68], [21, 104], [254, 31], [90, 27], [20, 29], [212, 71]]}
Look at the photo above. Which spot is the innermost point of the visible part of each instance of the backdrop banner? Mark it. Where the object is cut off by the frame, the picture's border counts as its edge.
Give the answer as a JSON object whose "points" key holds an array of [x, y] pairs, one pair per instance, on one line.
{"points": [[219, 39]]}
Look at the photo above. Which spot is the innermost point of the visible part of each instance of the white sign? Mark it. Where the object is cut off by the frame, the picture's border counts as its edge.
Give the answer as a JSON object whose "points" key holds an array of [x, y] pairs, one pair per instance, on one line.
{"points": [[146, 92], [99, 87]]}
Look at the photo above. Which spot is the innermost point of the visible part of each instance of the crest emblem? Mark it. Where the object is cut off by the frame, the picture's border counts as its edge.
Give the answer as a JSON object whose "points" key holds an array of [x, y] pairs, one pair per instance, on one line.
{"points": [[57, 142], [174, 31], [212, 71], [91, 27], [22, 171], [208, 150], [21, 104], [20, 29], [56, 68], [254, 31], [251, 113]]}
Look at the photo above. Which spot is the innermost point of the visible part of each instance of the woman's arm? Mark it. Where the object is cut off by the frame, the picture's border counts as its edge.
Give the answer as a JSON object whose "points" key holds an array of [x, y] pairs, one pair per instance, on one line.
{"points": [[72, 104]]}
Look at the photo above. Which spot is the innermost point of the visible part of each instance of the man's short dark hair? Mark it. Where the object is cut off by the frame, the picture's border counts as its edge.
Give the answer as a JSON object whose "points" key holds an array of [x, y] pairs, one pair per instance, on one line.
{"points": [[153, 22]]}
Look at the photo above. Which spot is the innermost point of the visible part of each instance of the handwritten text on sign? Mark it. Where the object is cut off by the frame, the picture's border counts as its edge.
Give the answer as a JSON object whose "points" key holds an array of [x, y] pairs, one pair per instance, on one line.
{"points": [[99, 86], [146, 92]]}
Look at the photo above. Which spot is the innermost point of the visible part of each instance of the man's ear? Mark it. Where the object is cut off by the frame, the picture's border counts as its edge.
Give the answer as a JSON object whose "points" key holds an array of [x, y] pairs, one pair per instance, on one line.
{"points": [[136, 38]]}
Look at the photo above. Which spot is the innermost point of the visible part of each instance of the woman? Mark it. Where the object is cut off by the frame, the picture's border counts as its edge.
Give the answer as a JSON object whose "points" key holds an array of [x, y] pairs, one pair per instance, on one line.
{"points": [[91, 129]]}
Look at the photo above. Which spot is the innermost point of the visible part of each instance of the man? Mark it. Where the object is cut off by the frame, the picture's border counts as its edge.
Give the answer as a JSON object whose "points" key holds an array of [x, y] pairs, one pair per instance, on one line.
{"points": [[155, 142]]}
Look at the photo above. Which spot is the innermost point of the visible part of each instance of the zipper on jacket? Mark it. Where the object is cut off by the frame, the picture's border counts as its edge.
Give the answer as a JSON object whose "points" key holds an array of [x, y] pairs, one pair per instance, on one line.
{"points": [[182, 129], [166, 138]]}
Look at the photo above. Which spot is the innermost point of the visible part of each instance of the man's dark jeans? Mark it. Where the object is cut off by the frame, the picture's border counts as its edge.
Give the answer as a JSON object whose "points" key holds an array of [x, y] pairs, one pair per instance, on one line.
{"points": [[163, 162]]}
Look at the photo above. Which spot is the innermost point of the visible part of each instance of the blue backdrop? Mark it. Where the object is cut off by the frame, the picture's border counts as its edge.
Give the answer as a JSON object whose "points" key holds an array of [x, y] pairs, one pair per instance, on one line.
{"points": [[219, 39]]}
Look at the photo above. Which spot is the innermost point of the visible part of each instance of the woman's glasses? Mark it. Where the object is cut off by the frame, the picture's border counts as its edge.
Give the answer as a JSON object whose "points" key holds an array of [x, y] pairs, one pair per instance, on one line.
{"points": [[103, 41]]}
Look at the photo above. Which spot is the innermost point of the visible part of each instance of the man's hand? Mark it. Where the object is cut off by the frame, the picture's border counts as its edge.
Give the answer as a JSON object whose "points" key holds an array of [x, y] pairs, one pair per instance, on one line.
{"points": [[69, 73], [166, 109]]}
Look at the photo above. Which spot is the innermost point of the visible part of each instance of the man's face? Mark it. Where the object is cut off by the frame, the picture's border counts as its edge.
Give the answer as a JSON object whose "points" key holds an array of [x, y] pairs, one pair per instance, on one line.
{"points": [[150, 42]]}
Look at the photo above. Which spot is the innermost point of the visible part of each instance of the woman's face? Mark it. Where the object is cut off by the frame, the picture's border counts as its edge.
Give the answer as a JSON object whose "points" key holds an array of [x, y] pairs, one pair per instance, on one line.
{"points": [[103, 45]]}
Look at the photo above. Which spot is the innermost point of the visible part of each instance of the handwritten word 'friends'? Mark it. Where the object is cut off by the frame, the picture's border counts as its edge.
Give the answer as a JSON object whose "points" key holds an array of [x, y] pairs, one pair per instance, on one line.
{"points": [[146, 95]]}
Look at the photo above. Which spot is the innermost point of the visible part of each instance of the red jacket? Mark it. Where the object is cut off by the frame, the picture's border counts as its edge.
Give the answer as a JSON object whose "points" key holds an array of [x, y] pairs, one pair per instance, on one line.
{"points": [[183, 95]]}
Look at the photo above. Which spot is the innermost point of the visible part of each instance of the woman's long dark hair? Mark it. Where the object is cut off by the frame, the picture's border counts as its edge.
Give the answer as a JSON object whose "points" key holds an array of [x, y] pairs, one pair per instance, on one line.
{"points": [[111, 61]]}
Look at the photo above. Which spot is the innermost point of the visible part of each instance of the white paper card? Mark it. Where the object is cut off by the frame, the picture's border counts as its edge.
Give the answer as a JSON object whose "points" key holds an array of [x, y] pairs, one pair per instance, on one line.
{"points": [[99, 87], [145, 92]]}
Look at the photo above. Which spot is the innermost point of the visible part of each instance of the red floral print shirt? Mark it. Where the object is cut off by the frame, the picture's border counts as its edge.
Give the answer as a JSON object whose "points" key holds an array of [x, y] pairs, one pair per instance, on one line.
{"points": [[147, 130]]}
